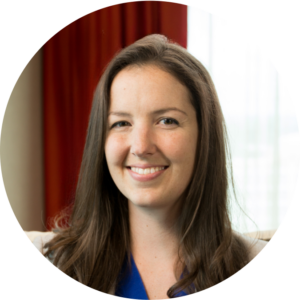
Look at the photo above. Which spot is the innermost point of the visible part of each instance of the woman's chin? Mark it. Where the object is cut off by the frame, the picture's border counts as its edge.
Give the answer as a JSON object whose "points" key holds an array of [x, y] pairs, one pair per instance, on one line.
{"points": [[144, 203]]}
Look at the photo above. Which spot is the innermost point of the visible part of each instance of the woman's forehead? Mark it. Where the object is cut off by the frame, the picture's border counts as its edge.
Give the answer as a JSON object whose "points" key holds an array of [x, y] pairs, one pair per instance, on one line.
{"points": [[148, 87], [148, 75]]}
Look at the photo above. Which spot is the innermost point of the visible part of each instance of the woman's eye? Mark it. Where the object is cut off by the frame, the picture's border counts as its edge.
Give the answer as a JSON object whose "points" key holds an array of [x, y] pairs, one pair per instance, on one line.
{"points": [[169, 119], [115, 125]]}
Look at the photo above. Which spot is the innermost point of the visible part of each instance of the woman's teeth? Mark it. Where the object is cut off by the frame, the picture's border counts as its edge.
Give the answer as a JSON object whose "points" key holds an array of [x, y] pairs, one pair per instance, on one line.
{"points": [[147, 171]]}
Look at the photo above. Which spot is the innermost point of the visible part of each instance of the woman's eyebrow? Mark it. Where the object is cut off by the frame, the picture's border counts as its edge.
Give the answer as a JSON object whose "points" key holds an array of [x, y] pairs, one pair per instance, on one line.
{"points": [[156, 112]]}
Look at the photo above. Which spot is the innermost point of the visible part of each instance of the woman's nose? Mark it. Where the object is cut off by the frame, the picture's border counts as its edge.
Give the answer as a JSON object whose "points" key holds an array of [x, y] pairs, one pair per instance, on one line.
{"points": [[142, 142]]}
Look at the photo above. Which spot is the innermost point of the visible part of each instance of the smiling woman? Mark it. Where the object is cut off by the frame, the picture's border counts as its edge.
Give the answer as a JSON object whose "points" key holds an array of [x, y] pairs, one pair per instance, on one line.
{"points": [[150, 218], [151, 143]]}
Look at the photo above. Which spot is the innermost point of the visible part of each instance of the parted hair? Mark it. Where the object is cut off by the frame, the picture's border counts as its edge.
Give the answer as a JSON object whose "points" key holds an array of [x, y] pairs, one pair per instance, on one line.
{"points": [[92, 245]]}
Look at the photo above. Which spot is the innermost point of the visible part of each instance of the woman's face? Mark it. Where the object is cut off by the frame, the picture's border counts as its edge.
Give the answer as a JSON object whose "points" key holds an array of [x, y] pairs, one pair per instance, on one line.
{"points": [[152, 135]]}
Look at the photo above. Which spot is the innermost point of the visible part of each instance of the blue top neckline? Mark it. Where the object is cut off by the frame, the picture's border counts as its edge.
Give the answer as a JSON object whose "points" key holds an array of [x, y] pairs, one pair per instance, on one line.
{"points": [[130, 283]]}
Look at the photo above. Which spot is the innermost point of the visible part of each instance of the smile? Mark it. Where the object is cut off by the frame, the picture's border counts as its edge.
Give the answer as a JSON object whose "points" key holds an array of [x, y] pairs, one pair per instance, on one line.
{"points": [[146, 174], [147, 170]]}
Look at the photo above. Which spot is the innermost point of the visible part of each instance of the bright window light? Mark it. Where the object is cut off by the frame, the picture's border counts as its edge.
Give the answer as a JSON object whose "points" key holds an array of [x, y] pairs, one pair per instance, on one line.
{"points": [[260, 119]]}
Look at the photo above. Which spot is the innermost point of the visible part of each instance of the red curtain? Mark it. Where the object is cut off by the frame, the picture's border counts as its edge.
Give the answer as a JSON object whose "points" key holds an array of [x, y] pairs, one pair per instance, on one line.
{"points": [[73, 62]]}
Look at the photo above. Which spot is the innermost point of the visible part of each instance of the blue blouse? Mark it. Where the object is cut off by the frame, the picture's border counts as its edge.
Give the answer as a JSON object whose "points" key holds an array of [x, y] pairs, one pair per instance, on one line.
{"points": [[130, 283]]}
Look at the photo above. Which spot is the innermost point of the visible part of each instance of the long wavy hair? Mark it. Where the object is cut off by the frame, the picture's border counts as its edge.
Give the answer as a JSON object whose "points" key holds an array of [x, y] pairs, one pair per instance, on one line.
{"points": [[92, 246]]}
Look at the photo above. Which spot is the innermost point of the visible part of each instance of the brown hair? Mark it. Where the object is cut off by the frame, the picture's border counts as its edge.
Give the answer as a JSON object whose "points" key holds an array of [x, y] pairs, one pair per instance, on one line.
{"points": [[92, 248]]}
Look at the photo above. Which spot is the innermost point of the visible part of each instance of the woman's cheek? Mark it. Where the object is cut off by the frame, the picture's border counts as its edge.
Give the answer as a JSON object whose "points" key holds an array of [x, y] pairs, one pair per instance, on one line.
{"points": [[115, 150], [177, 146]]}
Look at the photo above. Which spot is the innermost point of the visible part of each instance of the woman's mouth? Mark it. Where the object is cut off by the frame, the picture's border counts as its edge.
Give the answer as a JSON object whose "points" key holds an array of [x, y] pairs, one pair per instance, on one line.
{"points": [[145, 174], [146, 170]]}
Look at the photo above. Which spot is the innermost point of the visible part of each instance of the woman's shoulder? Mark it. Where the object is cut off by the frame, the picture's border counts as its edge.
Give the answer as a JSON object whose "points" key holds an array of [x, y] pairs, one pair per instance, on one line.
{"points": [[258, 261]]}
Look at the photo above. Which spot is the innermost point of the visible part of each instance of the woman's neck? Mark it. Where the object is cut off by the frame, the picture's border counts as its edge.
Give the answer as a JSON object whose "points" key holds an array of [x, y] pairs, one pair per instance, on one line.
{"points": [[152, 232]]}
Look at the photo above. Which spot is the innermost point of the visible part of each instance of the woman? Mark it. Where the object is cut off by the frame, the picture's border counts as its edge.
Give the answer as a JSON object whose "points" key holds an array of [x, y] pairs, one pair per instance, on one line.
{"points": [[150, 218]]}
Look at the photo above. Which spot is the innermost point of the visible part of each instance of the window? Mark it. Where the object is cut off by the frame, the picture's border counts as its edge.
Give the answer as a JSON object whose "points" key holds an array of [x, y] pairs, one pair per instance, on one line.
{"points": [[260, 119]]}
